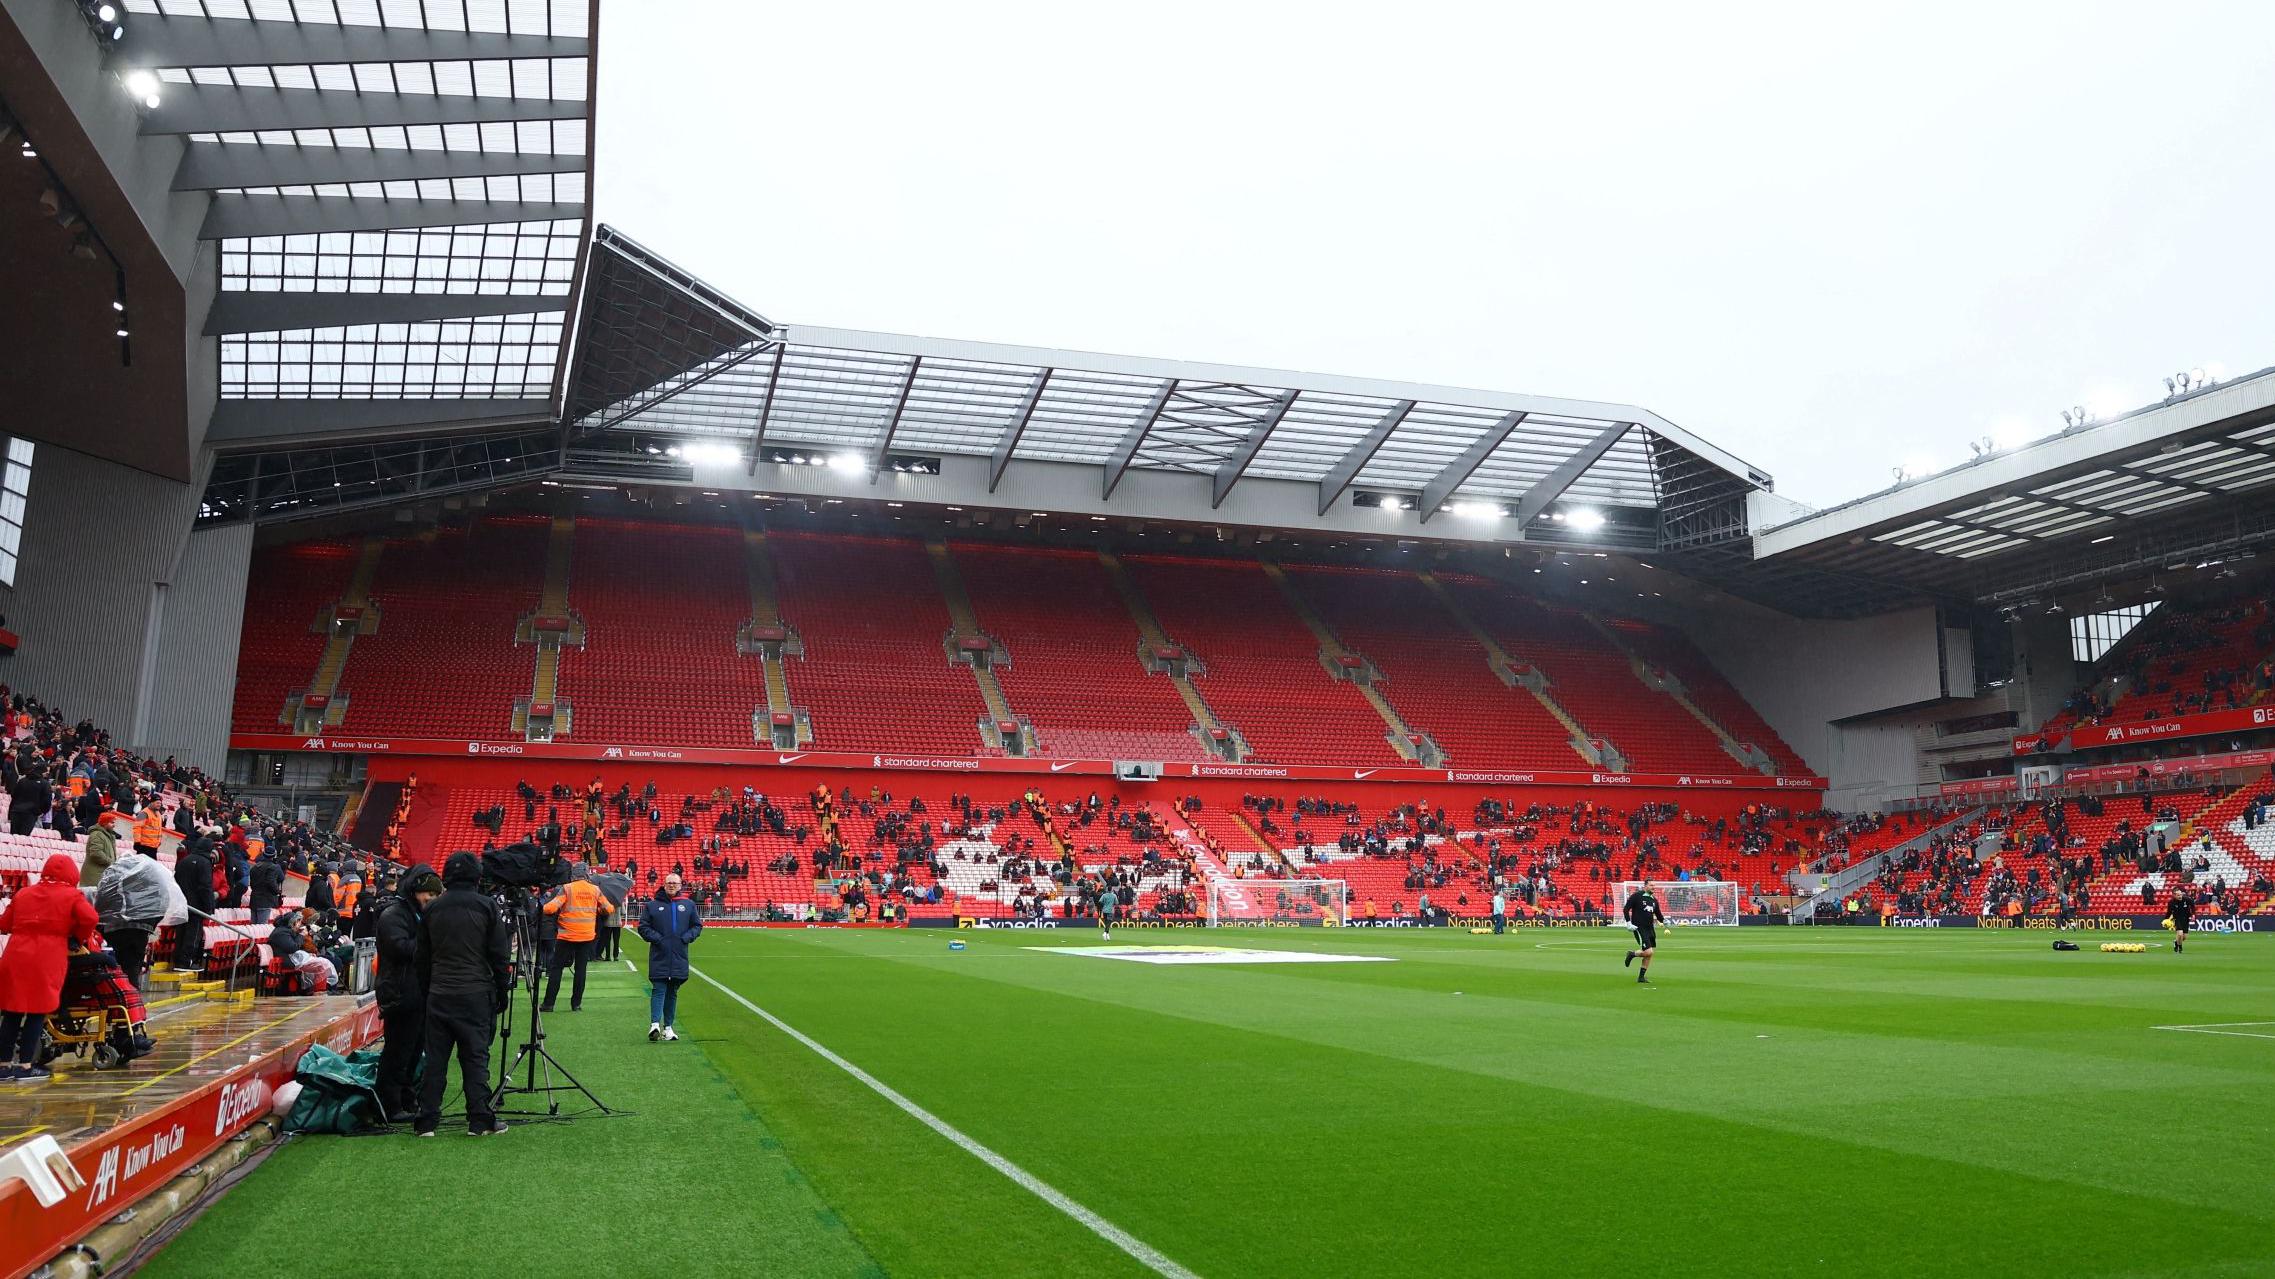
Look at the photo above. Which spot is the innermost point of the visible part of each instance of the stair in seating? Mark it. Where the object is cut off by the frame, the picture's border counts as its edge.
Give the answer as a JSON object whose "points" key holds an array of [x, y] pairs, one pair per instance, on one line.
{"points": [[543, 716], [1154, 642], [772, 641], [322, 704], [1664, 681], [1519, 674], [1341, 663], [973, 648]]}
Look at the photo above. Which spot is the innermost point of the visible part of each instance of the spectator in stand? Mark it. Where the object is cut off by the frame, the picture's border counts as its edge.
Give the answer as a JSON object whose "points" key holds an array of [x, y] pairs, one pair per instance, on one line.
{"points": [[40, 923], [131, 901], [267, 891], [102, 850], [290, 941], [193, 874], [669, 925], [28, 794]]}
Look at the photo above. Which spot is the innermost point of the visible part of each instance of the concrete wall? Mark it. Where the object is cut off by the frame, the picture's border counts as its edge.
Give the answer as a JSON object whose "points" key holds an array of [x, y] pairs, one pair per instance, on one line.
{"points": [[195, 668], [126, 617], [1807, 676]]}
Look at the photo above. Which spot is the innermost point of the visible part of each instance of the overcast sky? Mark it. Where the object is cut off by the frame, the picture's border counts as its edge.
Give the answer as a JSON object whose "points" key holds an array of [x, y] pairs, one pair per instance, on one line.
{"points": [[1832, 239]]}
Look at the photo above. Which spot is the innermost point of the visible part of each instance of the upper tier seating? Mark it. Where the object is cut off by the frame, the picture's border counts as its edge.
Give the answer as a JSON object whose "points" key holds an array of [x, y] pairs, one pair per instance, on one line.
{"points": [[1263, 674], [280, 647], [1673, 653], [875, 674], [1595, 682], [662, 605], [2182, 660], [1434, 672], [443, 662], [1074, 668]]}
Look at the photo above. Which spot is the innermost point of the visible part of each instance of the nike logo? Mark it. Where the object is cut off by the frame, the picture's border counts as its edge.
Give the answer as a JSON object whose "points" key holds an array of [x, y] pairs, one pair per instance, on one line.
{"points": [[788, 759], [1362, 774], [1060, 768]]}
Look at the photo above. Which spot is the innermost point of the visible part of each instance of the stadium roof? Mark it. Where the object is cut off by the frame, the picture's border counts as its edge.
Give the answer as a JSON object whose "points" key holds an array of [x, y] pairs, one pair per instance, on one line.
{"points": [[2160, 488], [660, 353], [398, 190]]}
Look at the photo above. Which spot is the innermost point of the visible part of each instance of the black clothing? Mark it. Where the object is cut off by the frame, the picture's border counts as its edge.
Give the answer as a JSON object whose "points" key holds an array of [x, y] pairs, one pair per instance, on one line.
{"points": [[461, 1022], [27, 799], [463, 948], [2182, 909], [268, 883], [193, 874], [1642, 910], [402, 1004], [566, 953]]}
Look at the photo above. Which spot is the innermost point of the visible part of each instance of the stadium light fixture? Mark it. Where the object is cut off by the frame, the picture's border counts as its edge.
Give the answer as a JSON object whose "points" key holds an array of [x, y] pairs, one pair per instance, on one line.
{"points": [[144, 86], [1585, 519], [846, 462], [710, 454], [1476, 510]]}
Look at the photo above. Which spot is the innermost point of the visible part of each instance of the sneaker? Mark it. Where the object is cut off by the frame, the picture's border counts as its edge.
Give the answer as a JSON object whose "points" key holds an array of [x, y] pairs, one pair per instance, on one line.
{"points": [[655, 1031], [545, 1008], [1103, 935], [670, 1034], [1629, 962], [32, 1075], [1642, 979], [497, 1128], [576, 1008]]}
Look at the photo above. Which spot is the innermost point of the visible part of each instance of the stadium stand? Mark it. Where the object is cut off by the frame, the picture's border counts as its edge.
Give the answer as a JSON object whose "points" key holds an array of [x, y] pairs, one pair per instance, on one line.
{"points": [[282, 640], [661, 606], [2183, 659], [874, 671], [443, 662], [1262, 669], [1074, 666]]}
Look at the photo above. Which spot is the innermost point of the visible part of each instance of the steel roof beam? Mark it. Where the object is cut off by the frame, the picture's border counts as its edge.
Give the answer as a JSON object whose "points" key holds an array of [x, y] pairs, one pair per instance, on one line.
{"points": [[766, 410], [213, 166], [1568, 472], [884, 447], [1441, 486], [217, 108], [233, 216], [1124, 452], [1229, 471], [278, 312], [1008, 443], [289, 423], [239, 42], [1355, 459]]}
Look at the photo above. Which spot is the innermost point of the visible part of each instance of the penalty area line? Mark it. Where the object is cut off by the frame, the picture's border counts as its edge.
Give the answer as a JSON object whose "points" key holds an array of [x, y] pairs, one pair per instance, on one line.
{"points": [[2223, 1028], [1140, 1251]]}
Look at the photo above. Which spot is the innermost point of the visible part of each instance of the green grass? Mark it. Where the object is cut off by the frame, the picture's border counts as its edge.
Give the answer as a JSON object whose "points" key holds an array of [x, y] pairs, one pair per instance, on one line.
{"points": [[1858, 1102]]}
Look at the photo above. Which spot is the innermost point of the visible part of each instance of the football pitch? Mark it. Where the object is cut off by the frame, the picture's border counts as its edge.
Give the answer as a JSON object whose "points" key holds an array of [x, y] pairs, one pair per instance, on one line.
{"points": [[1804, 1101]]}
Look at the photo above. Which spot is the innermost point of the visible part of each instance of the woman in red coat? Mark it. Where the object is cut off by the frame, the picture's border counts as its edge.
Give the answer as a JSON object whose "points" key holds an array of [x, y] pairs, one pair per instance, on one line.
{"points": [[40, 922]]}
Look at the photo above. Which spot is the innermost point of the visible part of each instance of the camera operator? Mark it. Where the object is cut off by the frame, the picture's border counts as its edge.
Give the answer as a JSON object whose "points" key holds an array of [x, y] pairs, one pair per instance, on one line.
{"points": [[402, 1000], [464, 963]]}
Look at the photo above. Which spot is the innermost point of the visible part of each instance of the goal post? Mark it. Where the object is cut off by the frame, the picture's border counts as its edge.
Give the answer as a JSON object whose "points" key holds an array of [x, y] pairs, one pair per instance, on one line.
{"points": [[1278, 901], [1696, 901]]}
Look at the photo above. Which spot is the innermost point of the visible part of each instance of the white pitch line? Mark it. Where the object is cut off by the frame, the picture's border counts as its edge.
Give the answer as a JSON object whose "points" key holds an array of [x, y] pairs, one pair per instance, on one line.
{"points": [[2215, 1028], [1145, 1254]]}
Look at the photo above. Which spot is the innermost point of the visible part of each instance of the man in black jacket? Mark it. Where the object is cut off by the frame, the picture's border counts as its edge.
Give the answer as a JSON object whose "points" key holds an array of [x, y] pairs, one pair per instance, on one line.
{"points": [[193, 874], [402, 1000], [268, 885], [465, 963]]}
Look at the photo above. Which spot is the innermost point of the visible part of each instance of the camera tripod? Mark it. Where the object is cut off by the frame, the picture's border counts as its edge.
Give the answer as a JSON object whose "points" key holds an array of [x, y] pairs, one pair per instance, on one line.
{"points": [[538, 1066]]}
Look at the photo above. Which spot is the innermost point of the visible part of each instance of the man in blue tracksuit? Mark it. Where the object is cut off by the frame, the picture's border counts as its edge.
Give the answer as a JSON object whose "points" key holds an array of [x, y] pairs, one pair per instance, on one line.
{"points": [[669, 925]]}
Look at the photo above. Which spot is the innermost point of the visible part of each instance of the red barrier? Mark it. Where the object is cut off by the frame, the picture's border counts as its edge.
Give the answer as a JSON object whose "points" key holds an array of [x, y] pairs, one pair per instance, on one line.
{"points": [[2087, 737], [462, 749], [137, 1157]]}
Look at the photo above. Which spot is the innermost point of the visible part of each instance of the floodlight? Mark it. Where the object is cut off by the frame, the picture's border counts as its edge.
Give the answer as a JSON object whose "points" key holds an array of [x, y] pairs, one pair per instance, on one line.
{"points": [[142, 84], [1584, 519], [845, 462]]}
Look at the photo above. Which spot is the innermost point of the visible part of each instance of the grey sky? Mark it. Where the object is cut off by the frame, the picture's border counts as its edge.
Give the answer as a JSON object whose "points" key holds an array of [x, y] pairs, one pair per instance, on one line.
{"points": [[1831, 239]]}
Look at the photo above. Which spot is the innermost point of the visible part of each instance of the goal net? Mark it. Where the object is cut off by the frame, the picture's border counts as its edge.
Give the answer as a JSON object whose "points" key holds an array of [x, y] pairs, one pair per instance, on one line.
{"points": [[1278, 901], [1697, 901]]}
